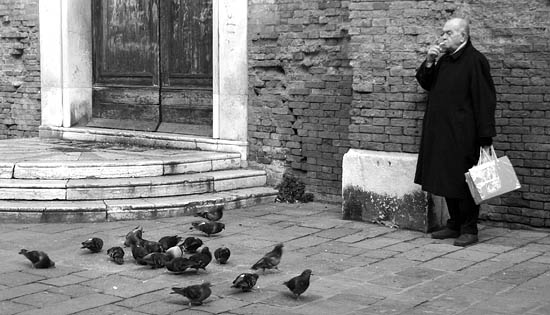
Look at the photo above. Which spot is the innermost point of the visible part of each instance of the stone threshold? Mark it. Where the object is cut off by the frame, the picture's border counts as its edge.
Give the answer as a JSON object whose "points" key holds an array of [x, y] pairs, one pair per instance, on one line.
{"points": [[143, 138], [198, 162]]}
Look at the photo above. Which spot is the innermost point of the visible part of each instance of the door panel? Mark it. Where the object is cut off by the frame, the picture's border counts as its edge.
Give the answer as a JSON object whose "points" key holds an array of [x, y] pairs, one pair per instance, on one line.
{"points": [[125, 107], [153, 65], [186, 37], [127, 34], [126, 65], [186, 66]]}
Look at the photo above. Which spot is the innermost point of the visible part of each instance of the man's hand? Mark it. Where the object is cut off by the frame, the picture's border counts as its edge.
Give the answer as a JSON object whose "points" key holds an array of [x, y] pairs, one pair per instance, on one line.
{"points": [[433, 52]]}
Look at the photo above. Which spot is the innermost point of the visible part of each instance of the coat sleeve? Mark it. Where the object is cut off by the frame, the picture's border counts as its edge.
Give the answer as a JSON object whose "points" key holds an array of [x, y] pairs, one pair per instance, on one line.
{"points": [[425, 76], [483, 97]]}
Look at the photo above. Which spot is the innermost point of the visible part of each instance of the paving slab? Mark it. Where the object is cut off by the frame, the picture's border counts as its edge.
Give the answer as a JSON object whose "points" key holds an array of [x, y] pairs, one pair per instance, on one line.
{"points": [[9, 307], [41, 299]]}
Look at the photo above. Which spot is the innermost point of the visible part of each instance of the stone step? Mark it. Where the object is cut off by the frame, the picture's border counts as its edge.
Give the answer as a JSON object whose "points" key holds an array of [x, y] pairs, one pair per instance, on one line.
{"points": [[145, 167], [113, 176], [130, 187], [36, 211]]}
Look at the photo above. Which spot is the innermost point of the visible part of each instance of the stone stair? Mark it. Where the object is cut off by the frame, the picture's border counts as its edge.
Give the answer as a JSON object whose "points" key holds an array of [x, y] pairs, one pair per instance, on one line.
{"points": [[68, 182]]}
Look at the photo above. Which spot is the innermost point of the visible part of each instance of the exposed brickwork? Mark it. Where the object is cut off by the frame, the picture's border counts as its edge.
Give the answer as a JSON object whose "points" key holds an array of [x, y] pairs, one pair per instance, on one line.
{"points": [[519, 50], [19, 69], [300, 90], [385, 42]]}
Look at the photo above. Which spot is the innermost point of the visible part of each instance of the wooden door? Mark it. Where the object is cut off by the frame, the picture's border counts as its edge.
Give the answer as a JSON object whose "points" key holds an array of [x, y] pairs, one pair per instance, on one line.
{"points": [[153, 65], [186, 66], [126, 64]]}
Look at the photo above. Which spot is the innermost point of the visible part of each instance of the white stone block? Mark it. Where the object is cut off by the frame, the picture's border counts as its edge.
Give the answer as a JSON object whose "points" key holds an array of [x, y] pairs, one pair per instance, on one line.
{"points": [[380, 172], [379, 187], [6, 169]]}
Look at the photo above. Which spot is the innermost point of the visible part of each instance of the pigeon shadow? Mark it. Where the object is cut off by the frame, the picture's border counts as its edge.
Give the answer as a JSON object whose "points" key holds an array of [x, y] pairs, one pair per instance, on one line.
{"points": [[185, 303], [306, 298], [206, 235], [178, 301]]}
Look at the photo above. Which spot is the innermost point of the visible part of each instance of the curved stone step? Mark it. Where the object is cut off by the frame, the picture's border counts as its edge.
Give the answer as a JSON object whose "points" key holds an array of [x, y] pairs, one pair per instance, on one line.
{"points": [[129, 209], [131, 187], [146, 167]]}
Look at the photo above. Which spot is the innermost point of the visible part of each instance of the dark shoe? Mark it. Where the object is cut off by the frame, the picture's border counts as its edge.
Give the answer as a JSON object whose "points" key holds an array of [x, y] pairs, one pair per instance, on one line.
{"points": [[465, 240], [445, 233]]}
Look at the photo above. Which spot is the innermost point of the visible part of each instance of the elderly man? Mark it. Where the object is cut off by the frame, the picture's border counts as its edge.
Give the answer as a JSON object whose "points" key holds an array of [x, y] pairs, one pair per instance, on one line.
{"points": [[459, 119]]}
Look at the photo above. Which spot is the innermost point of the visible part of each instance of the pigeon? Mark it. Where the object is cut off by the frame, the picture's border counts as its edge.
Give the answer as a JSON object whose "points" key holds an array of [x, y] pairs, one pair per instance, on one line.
{"points": [[270, 260], [155, 259], [94, 244], [169, 241], [191, 244], [201, 259], [213, 215], [151, 246], [39, 259], [299, 284], [222, 254], [174, 252], [179, 264], [195, 293], [245, 281], [138, 253], [117, 254], [134, 236], [208, 227]]}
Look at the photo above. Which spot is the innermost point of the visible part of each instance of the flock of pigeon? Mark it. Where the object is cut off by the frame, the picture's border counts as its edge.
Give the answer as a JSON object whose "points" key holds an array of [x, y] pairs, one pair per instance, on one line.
{"points": [[168, 252]]}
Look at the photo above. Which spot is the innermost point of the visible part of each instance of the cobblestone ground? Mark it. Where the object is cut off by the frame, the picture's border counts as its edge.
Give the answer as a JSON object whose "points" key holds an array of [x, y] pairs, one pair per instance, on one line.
{"points": [[358, 268]]}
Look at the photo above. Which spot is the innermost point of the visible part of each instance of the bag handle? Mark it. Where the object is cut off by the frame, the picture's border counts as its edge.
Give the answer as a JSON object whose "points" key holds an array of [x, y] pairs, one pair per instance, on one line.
{"points": [[486, 155]]}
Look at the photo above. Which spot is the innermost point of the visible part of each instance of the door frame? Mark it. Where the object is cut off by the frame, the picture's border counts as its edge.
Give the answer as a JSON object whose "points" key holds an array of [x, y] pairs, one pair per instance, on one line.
{"points": [[66, 66]]}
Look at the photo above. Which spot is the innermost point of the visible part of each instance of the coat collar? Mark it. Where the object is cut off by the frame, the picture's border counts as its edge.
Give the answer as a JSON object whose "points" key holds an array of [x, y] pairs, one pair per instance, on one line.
{"points": [[461, 51]]}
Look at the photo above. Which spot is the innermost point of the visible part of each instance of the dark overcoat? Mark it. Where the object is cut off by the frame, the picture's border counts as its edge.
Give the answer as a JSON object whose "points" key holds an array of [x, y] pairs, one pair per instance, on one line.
{"points": [[460, 111]]}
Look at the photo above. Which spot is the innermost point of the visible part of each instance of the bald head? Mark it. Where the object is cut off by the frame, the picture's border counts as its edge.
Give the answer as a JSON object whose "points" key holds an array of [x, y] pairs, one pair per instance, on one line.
{"points": [[460, 25]]}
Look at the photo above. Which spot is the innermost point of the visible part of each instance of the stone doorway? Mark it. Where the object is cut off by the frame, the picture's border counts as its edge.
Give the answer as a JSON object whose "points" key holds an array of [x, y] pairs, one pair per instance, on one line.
{"points": [[67, 76]]}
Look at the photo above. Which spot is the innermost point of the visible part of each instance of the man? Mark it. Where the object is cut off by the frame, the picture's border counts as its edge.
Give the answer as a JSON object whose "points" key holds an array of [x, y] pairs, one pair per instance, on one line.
{"points": [[459, 119]]}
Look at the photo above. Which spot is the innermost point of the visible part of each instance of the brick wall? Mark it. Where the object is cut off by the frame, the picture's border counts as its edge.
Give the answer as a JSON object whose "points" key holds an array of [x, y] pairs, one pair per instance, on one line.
{"points": [[516, 39], [19, 69], [385, 41], [300, 90]]}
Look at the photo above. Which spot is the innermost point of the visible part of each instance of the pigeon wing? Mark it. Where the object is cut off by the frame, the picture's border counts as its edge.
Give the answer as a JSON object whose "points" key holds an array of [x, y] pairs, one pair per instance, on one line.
{"points": [[169, 241], [44, 261], [192, 292], [31, 255], [291, 284]]}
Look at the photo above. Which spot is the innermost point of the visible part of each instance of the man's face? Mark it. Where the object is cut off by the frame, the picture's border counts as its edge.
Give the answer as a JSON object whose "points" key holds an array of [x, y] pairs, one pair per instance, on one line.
{"points": [[451, 38]]}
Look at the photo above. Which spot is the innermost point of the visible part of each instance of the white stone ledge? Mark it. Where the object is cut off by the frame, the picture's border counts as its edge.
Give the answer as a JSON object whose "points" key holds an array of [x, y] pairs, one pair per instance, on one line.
{"points": [[389, 173]]}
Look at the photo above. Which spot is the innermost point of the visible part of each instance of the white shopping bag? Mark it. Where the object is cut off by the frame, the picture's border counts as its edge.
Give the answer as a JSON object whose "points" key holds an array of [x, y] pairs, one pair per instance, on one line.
{"points": [[491, 177]]}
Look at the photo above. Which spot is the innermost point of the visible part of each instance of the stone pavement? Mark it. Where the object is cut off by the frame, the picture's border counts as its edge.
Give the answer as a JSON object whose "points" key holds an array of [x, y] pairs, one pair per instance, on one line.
{"points": [[359, 268]]}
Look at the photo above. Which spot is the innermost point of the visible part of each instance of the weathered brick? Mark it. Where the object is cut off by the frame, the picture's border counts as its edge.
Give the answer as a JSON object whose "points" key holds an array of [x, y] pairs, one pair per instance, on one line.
{"points": [[19, 46]]}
